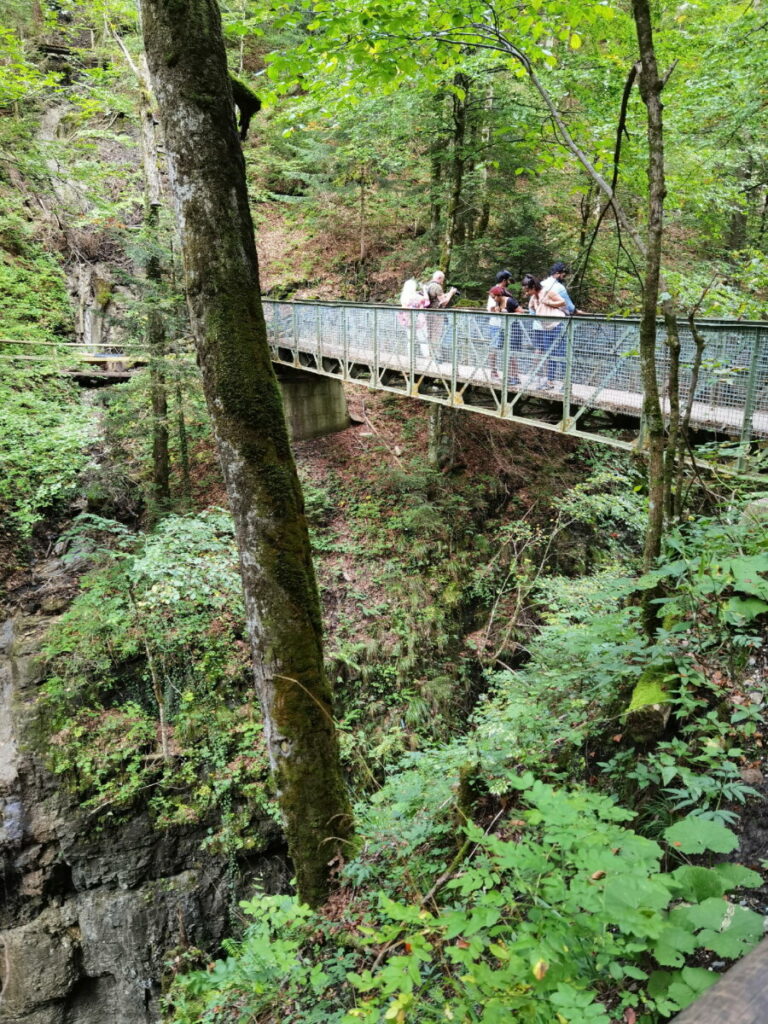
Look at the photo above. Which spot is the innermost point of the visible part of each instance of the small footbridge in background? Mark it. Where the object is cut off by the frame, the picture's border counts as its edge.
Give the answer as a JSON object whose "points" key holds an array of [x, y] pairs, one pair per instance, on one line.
{"points": [[579, 376]]}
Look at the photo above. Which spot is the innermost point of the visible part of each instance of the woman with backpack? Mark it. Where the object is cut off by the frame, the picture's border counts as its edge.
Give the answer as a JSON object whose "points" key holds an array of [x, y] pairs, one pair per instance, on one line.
{"points": [[548, 335]]}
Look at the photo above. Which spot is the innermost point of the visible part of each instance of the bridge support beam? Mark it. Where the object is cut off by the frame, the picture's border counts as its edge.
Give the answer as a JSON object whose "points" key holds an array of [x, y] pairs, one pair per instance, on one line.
{"points": [[314, 405]]}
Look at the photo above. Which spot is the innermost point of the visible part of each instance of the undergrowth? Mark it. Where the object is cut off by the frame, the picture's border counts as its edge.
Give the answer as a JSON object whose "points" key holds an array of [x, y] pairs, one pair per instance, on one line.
{"points": [[498, 875], [149, 700], [45, 433]]}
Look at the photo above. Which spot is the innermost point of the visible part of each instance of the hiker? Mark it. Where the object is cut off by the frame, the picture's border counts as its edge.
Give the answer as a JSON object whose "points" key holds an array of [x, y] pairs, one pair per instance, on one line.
{"points": [[438, 299], [548, 335], [413, 296], [500, 301], [557, 274]]}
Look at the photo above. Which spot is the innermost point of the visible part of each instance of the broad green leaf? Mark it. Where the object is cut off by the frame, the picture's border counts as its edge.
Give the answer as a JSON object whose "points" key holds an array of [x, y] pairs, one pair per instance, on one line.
{"points": [[673, 942], [697, 835], [697, 883], [744, 609], [735, 876]]}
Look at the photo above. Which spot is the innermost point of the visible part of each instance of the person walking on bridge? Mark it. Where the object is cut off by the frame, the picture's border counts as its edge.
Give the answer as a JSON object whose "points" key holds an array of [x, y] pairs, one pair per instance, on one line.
{"points": [[555, 282], [501, 301], [438, 299], [548, 335]]}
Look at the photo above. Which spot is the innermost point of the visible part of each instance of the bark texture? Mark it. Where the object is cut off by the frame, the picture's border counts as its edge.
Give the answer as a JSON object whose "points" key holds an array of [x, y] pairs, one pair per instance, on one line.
{"points": [[650, 90], [161, 463], [454, 228], [187, 63]]}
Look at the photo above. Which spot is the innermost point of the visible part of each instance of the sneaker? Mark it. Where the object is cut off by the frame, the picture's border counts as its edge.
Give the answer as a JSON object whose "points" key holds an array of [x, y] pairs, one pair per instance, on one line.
{"points": [[514, 382]]}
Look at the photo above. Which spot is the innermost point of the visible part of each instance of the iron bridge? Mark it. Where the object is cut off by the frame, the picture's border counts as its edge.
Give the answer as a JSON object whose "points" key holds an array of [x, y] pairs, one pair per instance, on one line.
{"points": [[579, 376]]}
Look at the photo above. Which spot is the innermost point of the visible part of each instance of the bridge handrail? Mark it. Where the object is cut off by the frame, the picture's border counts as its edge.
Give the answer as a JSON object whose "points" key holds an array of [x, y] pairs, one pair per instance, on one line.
{"points": [[599, 317]]}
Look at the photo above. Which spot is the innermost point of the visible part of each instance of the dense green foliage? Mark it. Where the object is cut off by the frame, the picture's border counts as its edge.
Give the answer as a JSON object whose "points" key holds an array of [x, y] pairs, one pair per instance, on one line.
{"points": [[150, 695], [33, 299], [488, 884], [44, 437], [565, 913]]}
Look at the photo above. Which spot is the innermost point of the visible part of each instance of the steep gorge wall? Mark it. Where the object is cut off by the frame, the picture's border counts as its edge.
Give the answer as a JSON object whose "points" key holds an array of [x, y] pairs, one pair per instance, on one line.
{"points": [[88, 915]]}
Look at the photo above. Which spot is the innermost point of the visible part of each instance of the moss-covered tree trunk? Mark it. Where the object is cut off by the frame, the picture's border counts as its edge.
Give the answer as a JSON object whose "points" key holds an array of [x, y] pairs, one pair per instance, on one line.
{"points": [[161, 463], [155, 328], [650, 89], [187, 63]]}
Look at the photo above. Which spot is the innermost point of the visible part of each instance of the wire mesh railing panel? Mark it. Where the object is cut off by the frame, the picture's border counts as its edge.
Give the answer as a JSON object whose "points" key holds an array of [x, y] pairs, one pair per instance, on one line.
{"points": [[333, 330], [396, 331], [282, 334], [722, 376], [606, 364]]}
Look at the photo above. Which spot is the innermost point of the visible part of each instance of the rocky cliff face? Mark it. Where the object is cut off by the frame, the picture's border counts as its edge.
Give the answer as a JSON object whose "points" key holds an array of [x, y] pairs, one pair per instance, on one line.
{"points": [[88, 915]]}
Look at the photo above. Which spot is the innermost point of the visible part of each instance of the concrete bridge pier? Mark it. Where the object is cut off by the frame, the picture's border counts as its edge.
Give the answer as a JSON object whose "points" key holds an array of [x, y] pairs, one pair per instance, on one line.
{"points": [[314, 405]]}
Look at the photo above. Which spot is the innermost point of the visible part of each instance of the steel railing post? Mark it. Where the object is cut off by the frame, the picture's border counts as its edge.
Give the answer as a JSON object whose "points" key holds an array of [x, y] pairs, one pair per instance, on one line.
{"points": [[295, 331], [345, 343], [454, 356], [375, 381], [749, 399], [505, 367], [318, 343], [567, 379], [275, 326], [412, 350]]}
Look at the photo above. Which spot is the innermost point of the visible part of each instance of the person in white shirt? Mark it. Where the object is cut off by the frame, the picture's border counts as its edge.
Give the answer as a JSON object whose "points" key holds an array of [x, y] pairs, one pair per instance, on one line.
{"points": [[557, 274]]}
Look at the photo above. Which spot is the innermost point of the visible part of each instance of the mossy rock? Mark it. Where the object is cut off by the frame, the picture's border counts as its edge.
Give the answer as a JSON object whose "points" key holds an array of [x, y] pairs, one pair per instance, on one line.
{"points": [[649, 708]]}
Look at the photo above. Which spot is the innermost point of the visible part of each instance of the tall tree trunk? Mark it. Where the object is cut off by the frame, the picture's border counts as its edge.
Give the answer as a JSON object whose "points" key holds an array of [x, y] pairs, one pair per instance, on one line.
{"points": [[673, 433], [485, 143], [739, 221], [187, 62], [441, 445], [650, 90], [453, 224], [155, 328], [181, 422], [155, 333], [436, 180]]}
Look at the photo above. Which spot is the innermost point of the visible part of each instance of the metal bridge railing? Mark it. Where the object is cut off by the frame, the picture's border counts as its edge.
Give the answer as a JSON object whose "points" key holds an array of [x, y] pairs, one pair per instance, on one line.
{"points": [[463, 357]]}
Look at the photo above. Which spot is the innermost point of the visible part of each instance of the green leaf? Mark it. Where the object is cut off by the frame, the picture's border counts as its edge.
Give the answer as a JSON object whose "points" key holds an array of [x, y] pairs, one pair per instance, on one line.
{"points": [[735, 876], [697, 835], [744, 609], [673, 942], [697, 883], [739, 930]]}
